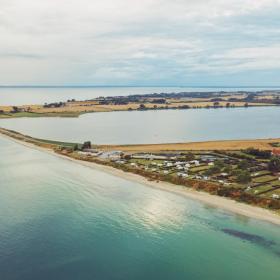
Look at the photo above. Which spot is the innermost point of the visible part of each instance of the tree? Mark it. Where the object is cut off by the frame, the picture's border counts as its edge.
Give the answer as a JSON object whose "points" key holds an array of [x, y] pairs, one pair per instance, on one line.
{"points": [[189, 156], [243, 164], [243, 177], [219, 163], [227, 169], [258, 153], [212, 170], [159, 101], [86, 145], [142, 107], [15, 109], [274, 164], [127, 157]]}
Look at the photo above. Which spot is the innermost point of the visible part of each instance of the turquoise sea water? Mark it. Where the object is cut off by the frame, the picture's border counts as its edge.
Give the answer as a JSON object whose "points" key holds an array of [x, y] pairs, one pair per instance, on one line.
{"points": [[60, 220], [162, 126]]}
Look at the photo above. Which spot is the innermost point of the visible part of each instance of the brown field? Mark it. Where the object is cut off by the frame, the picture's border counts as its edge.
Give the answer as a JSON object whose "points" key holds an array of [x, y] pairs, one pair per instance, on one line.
{"points": [[269, 96], [90, 106], [262, 144]]}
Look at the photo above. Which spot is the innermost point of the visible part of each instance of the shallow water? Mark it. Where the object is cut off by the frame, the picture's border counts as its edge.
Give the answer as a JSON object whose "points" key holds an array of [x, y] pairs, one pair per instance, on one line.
{"points": [[61, 220], [163, 126]]}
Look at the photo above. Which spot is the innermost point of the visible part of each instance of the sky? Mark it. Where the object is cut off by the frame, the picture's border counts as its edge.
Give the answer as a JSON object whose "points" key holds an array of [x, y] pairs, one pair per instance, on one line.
{"points": [[140, 42]]}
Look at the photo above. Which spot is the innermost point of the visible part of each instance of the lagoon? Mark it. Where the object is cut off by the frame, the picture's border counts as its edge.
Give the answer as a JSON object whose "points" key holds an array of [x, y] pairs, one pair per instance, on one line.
{"points": [[67, 221], [161, 126]]}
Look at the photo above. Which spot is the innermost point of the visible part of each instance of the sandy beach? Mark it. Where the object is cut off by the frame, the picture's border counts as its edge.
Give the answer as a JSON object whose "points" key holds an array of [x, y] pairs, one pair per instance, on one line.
{"points": [[212, 200]]}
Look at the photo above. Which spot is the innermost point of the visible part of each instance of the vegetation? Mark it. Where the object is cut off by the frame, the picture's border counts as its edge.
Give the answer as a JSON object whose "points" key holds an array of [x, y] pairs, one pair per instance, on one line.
{"points": [[86, 145], [243, 177], [142, 107], [265, 154], [243, 165], [37, 115], [274, 164], [156, 101], [251, 180]]}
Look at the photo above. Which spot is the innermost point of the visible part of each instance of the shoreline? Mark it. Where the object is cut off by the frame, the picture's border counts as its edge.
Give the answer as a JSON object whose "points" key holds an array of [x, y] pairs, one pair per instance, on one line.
{"points": [[203, 197], [76, 113]]}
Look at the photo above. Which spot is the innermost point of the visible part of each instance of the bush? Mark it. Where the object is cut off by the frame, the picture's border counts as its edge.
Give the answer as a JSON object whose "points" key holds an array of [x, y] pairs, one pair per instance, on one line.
{"points": [[243, 177], [142, 107], [258, 153], [189, 156], [86, 145], [219, 164], [274, 164], [212, 170], [243, 164]]}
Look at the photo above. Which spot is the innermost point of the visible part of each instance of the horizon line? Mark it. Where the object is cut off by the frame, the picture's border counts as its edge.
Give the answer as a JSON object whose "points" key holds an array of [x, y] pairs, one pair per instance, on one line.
{"points": [[119, 86]]}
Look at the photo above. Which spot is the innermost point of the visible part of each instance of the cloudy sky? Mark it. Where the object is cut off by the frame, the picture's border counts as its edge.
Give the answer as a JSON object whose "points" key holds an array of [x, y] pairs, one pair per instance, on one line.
{"points": [[140, 42]]}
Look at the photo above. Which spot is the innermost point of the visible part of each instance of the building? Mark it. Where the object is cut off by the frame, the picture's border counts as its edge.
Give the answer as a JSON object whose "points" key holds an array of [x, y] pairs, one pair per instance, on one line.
{"points": [[112, 155], [276, 152], [276, 196], [90, 154], [148, 157]]}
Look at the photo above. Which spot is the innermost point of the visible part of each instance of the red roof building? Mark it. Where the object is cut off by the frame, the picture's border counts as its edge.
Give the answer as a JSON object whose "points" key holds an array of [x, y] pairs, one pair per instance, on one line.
{"points": [[276, 152]]}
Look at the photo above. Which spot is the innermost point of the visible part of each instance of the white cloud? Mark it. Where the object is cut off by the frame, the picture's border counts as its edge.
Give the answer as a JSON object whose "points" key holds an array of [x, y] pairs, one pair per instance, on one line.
{"points": [[254, 58], [126, 41]]}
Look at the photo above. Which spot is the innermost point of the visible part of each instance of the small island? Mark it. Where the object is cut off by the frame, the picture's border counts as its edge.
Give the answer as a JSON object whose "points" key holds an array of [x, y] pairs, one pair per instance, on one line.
{"points": [[155, 101]]}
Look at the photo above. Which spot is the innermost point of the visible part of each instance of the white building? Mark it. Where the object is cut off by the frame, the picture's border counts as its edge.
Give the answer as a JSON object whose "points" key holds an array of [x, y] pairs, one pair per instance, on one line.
{"points": [[148, 156], [112, 155]]}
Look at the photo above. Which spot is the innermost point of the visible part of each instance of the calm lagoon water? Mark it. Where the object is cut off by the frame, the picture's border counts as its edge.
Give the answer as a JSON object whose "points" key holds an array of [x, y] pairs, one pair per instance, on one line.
{"points": [[21, 95], [60, 220], [163, 126]]}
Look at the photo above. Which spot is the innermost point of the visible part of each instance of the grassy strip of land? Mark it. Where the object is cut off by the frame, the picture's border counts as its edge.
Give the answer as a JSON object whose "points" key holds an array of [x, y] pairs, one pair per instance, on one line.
{"points": [[66, 114], [73, 108], [233, 145], [76, 111], [215, 172], [49, 144]]}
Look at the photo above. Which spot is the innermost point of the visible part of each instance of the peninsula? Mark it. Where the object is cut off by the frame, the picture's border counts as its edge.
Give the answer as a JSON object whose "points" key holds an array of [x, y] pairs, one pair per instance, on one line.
{"points": [[246, 172], [156, 101]]}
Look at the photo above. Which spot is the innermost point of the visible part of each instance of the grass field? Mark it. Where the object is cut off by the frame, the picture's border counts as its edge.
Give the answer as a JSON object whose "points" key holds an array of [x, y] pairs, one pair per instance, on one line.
{"points": [[263, 179], [230, 145], [74, 109], [199, 168], [37, 115]]}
